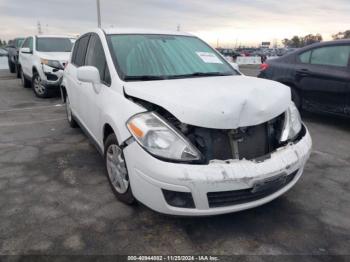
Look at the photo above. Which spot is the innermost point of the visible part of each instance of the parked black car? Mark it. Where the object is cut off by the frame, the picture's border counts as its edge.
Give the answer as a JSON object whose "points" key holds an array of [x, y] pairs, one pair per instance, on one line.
{"points": [[228, 52], [319, 76], [13, 50]]}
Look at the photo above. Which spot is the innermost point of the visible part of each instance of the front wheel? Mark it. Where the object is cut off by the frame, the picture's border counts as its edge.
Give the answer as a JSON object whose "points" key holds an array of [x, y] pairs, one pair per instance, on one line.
{"points": [[70, 117], [39, 89], [117, 171]]}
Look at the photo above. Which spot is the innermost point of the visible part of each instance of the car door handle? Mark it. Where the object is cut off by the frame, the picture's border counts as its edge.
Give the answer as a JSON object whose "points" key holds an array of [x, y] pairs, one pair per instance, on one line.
{"points": [[303, 72]]}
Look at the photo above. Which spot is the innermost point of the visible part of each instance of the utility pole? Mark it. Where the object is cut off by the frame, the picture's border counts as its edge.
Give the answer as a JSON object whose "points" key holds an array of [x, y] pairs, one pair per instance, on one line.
{"points": [[98, 14], [40, 31]]}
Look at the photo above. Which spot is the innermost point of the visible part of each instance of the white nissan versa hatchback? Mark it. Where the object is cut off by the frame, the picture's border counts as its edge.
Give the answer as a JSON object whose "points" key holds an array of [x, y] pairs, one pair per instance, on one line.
{"points": [[180, 129]]}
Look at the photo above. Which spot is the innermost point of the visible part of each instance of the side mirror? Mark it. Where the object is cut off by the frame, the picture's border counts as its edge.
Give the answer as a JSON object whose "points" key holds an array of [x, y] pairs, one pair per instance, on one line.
{"points": [[235, 66], [26, 50], [89, 74]]}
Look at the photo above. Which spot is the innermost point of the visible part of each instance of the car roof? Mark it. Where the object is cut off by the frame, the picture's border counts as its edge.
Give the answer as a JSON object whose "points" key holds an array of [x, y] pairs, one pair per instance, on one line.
{"points": [[116, 31], [325, 43], [55, 36]]}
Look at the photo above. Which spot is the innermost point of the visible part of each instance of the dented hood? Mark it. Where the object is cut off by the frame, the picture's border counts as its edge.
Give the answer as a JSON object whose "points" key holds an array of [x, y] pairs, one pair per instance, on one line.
{"points": [[224, 102], [59, 56]]}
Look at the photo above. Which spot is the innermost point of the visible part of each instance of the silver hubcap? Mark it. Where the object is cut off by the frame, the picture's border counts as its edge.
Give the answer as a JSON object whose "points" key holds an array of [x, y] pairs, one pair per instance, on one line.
{"points": [[69, 111], [39, 88], [116, 169]]}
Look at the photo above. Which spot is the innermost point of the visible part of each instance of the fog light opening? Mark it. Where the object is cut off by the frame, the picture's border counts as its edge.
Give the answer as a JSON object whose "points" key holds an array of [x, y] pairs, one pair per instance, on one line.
{"points": [[178, 199]]}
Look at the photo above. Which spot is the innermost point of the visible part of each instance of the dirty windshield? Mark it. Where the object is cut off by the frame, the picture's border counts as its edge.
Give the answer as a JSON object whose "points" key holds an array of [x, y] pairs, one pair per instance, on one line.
{"points": [[51, 44], [159, 57]]}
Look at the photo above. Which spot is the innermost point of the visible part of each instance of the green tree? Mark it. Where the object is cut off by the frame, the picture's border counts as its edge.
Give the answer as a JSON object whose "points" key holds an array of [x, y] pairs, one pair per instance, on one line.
{"points": [[301, 41], [341, 35], [311, 39]]}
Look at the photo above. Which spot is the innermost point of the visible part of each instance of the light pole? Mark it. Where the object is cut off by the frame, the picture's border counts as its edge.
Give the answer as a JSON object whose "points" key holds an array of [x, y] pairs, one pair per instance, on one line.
{"points": [[98, 14]]}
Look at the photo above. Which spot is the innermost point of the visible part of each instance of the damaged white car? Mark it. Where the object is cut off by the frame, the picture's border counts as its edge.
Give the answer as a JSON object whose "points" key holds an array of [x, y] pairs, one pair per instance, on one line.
{"points": [[180, 129]]}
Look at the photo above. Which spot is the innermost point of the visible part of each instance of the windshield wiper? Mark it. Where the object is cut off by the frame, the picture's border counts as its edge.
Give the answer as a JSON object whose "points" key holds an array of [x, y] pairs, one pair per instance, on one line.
{"points": [[199, 74], [144, 78]]}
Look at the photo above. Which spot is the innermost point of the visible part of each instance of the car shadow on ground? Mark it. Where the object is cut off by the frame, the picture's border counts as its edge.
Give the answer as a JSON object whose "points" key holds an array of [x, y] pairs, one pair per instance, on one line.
{"points": [[329, 120]]}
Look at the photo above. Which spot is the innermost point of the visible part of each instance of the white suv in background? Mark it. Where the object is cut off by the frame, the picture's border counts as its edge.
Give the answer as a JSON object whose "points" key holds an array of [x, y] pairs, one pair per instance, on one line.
{"points": [[180, 129], [42, 59]]}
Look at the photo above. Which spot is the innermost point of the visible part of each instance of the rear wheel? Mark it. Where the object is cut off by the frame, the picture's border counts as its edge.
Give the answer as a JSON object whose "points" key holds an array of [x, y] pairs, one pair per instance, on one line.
{"points": [[70, 116], [18, 71], [12, 66], [117, 171], [25, 82], [39, 89]]}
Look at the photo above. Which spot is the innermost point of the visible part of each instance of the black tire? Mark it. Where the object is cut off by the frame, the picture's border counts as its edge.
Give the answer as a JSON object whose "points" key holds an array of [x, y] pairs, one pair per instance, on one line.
{"points": [[126, 197], [12, 67], [40, 90], [70, 117], [296, 98], [25, 82], [18, 71]]}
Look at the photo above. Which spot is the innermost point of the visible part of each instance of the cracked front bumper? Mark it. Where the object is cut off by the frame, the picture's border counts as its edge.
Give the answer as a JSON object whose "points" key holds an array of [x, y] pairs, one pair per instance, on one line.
{"points": [[148, 176], [51, 78]]}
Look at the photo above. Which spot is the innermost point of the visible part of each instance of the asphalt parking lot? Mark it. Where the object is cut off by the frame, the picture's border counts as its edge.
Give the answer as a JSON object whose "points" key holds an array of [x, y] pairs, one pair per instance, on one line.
{"points": [[55, 198]]}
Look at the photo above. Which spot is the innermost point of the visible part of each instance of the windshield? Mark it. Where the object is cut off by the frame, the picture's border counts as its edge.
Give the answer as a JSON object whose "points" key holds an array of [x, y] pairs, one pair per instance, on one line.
{"points": [[158, 57], [54, 44]]}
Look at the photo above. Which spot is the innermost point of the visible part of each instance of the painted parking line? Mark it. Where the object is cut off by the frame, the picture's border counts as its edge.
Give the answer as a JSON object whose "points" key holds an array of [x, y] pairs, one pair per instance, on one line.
{"points": [[32, 122], [29, 108]]}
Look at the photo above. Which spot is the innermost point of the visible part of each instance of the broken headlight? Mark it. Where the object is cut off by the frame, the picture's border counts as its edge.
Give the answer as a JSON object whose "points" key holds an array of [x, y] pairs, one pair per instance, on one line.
{"points": [[292, 123], [52, 63], [158, 138]]}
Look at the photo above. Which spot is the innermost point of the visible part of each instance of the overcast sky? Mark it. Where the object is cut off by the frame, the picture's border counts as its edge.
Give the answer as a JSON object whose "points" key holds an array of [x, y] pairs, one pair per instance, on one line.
{"points": [[229, 21]]}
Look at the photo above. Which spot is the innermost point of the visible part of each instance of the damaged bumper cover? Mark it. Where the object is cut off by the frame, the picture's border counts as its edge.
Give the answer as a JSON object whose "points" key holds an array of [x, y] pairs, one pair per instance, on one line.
{"points": [[51, 77], [255, 182]]}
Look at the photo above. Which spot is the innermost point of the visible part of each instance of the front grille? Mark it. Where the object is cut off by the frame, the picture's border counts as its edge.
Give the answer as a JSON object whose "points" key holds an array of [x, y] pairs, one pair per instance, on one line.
{"points": [[249, 143], [236, 197]]}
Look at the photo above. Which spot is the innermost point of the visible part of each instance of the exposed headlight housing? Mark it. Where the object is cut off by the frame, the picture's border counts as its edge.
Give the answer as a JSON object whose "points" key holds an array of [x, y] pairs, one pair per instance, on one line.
{"points": [[158, 138], [52, 63], [292, 123]]}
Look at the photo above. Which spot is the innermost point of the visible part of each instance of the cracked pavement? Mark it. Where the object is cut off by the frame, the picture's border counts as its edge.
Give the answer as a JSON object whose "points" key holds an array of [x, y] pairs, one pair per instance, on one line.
{"points": [[55, 198]]}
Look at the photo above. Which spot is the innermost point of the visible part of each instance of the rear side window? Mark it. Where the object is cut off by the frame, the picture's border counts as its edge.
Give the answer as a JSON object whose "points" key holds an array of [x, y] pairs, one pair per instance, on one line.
{"points": [[79, 58], [96, 57], [305, 57], [331, 56]]}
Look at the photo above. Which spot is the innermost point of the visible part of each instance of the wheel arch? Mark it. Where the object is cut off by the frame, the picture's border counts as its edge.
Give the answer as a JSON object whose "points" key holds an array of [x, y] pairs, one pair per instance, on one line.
{"points": [[34, 70], [107, 130], [109, 127]]}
